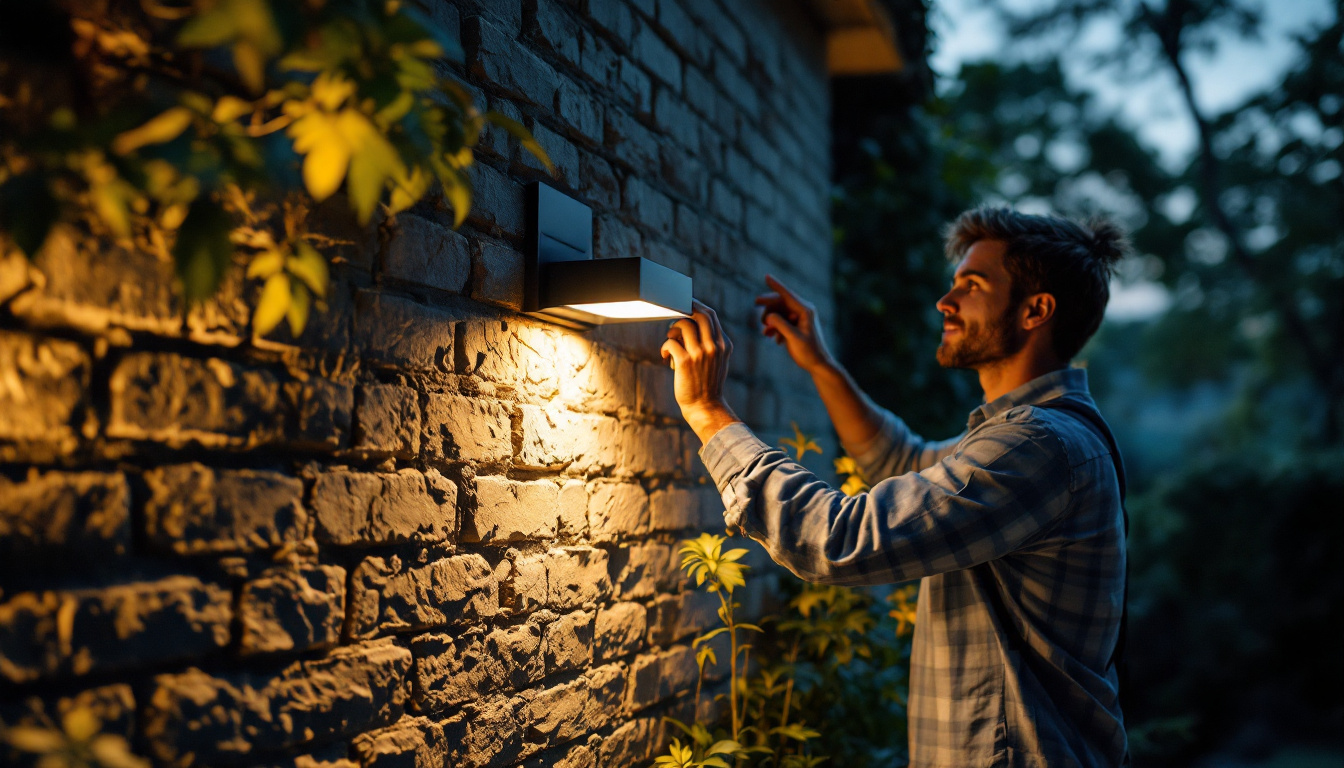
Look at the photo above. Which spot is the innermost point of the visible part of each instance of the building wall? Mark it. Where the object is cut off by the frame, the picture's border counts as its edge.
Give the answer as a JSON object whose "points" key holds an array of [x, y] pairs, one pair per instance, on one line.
{"points": [[431, 530]]}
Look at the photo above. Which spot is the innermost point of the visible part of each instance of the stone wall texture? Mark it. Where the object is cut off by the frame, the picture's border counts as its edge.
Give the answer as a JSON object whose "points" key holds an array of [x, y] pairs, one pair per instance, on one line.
{"points": [[431, 530]]}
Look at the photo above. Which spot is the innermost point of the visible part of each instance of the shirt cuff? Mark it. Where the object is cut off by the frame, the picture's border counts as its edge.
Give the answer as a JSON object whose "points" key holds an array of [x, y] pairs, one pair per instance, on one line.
{"points": [[729, 452]]}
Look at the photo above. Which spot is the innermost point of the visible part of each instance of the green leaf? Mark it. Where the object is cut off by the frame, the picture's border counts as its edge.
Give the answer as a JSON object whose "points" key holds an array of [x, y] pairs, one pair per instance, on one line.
{"points": [[524, 137], [724, 747], [28, 210], [709, 636], [203, 252], [273, 304], [370, 167]]}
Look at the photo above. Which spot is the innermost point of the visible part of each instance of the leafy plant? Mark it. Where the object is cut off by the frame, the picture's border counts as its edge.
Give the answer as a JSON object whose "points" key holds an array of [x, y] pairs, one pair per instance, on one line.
{"points": [[834, 660], [159, 125], [78, 742]]}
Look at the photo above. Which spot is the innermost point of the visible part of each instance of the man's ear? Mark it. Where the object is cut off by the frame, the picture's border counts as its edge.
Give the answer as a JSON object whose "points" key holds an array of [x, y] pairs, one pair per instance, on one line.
{"points": [[1037, 310]]}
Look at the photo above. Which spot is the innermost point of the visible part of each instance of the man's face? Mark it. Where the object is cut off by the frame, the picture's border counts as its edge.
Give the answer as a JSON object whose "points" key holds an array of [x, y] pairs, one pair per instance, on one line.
{"points": [[979, 326]]}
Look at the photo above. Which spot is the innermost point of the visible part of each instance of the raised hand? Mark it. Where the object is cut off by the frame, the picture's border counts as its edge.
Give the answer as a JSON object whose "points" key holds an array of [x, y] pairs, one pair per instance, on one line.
{"points": [[698, 351], [792, 321]]}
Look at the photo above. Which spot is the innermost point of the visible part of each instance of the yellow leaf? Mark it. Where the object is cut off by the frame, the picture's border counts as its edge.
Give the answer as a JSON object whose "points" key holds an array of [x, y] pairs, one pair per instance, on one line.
{"points": [[161, 128], [458, 189], [266, 264], [331, 89], [112, 751], [853, 485], [800, 442], [371, 165], [299, 304], [251, 65], [28, 738], [230, 108], [327, 155], [81, 724], [172, 216], [112, 203], [309, 266], [524, 137], [273, 304]]}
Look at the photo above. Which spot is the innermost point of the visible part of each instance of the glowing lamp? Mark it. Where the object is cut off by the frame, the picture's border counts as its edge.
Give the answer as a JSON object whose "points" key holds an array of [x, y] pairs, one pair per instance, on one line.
{"points": [[563, 283]]}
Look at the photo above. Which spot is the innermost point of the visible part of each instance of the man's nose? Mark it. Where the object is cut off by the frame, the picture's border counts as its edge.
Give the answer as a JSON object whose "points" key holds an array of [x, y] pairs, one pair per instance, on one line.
{"points": [[945, 304]]}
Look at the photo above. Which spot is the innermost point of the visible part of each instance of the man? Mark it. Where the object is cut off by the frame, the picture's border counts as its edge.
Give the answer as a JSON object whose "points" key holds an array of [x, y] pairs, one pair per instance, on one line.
{"points": [[1016, 526]]}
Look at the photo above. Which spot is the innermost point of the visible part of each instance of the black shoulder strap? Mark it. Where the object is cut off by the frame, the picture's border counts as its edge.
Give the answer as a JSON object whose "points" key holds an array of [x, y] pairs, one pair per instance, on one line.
{"points": [[1093, 419]]}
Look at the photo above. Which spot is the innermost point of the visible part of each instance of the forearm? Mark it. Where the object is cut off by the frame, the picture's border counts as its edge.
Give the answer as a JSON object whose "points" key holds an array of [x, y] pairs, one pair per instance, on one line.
{"points": [[855, 417]]}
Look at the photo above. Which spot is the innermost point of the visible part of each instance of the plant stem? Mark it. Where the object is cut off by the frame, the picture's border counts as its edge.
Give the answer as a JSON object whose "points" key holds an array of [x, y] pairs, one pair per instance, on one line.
{"points": [[788, 696], [732, 660]]}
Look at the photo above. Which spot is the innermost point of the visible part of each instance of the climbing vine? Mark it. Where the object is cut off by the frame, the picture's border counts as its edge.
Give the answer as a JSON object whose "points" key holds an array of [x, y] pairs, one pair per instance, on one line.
{"points": [[165, 125]]}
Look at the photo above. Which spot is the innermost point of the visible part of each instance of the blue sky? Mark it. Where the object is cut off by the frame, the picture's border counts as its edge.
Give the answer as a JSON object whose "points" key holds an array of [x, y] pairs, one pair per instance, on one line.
{"points": [[967, 31]]}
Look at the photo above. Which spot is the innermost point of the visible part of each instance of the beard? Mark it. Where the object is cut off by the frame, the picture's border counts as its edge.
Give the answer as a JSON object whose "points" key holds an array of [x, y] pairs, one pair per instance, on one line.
{"points": [[977, 346]]}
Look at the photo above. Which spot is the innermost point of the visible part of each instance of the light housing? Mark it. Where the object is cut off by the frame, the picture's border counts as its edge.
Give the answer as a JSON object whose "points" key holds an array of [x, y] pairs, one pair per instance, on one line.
{"points": [[563, 283]]}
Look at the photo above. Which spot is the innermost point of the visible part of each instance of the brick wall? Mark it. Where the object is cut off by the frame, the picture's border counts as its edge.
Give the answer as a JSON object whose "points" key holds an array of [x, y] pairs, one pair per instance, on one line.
{"points": [[431, 530]]}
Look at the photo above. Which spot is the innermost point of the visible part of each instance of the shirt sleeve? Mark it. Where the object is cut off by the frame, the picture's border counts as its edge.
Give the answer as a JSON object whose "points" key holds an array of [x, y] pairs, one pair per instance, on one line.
{"points": [[896, 449], [1002, 488]]}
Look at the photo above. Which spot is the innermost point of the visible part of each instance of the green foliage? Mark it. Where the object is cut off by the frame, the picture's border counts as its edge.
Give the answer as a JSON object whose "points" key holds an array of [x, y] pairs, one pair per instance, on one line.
{"points": [[147, 123], [831, 671]]}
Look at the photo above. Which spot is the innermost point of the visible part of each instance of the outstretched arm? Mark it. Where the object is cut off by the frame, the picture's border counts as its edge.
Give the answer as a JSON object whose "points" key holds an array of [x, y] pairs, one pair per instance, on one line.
{"points": [[882, 444]]}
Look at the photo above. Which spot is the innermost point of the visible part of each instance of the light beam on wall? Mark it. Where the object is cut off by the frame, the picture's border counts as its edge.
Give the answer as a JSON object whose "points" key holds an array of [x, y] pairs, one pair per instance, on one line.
{"points": [[566, 285]]}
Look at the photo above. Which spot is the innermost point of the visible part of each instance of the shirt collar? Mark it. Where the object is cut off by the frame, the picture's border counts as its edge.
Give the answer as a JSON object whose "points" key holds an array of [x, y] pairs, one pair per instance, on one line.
{"points": [[1066, 381]]}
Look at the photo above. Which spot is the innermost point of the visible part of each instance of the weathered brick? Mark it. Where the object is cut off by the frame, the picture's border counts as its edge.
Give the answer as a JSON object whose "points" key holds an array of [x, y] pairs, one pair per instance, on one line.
{"points": [[620, 629], [397, 332], [496, 203], [650, 207], [594, 377], [655, 397], [658, 57], [494, 734], [341, 503], [392, 596], [45, 383], [576, 575], [196, 718], [598, 183], [555, 715], [573, 507], [454, 670], [572, 755], [683, 31], [323, 412], [178, 400], [676, 120], [634, 87], [567, 642], [413, 507], [509, 510], [675, 618], [60, 514], [411, 741], [632, 743], [459, 428], [712, 19], [634, 145], [614, 18], [617, 511], [46, 634], [494, 57], [685, 174], [650, 450], [512, 354], [193, 509], [387, 420], [580, 111], [563, 155], [725, 203], [428, 254], [550, 25], [675, 508], [614, 238], [556, 439], [526, 587], [643, 570], [657, 677], [292, 609], [497, 274]]}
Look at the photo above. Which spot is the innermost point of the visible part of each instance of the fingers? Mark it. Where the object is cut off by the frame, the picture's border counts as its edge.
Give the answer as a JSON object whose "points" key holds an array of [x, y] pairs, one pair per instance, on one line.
{"points": [[789, 298], [781, 330], [716, 335], [687, 332], [673, 352]]}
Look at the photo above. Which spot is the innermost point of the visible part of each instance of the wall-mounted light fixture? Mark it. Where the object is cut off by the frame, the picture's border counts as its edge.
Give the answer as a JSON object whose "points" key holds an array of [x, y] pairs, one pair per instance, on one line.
{"points": [[564, 283]]}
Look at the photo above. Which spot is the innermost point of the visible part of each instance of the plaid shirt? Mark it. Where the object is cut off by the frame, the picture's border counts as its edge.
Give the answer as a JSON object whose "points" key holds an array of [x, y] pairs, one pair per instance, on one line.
{"points": [[1016, 529]]}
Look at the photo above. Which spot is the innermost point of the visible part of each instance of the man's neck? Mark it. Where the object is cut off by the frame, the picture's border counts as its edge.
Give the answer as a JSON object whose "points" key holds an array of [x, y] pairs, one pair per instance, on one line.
{"points": [[1003, 376]]}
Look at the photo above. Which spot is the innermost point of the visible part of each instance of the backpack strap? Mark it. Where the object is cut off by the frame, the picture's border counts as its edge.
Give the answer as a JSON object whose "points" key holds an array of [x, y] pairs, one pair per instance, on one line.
{"points": [[1092, 418]]}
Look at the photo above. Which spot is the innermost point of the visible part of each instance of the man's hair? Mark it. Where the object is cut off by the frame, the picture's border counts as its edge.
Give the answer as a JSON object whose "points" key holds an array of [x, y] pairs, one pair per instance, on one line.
{"points": [[1069, 260]]}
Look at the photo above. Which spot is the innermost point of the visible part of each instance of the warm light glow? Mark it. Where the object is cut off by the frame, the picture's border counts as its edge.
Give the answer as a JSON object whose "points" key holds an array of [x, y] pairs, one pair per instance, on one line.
{"points": [[627, 310]]}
